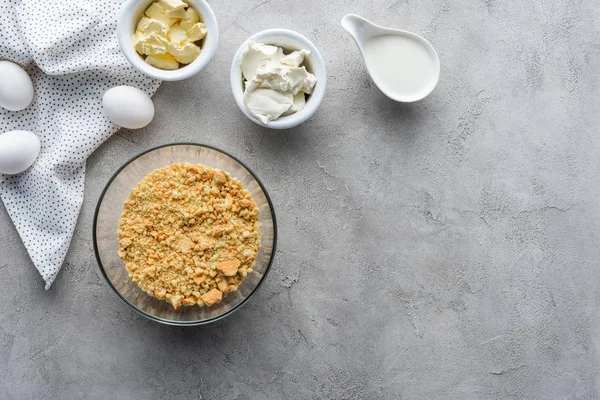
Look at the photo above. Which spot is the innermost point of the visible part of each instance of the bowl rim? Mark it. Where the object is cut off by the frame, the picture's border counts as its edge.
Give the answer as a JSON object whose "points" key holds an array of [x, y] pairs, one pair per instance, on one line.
{"points": [[144, 313], [209, 49], [288, 121]]}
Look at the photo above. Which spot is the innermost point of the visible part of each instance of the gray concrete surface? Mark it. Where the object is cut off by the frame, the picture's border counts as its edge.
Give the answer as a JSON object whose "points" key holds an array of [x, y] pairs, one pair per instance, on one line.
{"points": [[446, 249]]}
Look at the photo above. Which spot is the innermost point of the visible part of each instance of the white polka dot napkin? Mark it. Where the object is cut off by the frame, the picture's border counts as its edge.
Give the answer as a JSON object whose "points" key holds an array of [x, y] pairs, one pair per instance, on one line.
{"points": [[70, 50]]}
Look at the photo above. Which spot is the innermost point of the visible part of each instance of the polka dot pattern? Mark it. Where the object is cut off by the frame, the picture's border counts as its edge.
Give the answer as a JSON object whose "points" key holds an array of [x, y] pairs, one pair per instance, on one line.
{"points": [[70, 51]]}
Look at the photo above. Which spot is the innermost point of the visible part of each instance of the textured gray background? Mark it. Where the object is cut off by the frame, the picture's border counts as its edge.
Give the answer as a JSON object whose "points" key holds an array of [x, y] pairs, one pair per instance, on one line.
{"points": [[441, 250]]}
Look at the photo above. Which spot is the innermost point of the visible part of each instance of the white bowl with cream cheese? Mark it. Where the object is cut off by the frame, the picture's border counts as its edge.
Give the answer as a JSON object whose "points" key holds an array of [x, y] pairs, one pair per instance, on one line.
{"points": [[290, 41], [130, 14]]}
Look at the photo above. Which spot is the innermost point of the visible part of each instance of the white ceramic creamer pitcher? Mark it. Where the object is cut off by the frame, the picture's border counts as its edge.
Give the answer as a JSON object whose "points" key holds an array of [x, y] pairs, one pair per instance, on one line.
{"points": [[403, 65]]}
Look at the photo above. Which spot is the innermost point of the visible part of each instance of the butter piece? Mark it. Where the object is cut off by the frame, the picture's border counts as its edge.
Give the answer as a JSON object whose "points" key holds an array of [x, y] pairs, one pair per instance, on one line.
{"points": [[137, 40], [174, 8], [275, 84], [156, 11], [177, 34], [185, 53], [149, 25], [196, 32], [190, 18], [149, 37], [152, 44], [163, 61]]}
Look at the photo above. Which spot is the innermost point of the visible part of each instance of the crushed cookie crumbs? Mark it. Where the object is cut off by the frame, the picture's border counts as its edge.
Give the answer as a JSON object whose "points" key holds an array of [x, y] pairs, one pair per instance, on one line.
{"points": [[189, 234]]}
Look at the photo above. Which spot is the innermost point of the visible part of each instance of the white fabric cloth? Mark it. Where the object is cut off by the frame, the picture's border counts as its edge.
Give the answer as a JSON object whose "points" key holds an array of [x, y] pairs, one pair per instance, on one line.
{"points": [[70, 51]]}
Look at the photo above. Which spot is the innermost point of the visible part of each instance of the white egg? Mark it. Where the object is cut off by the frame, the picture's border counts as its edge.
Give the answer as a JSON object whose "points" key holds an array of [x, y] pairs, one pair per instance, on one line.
{"points": [[128, 107], [18, 151], [16, 89]]}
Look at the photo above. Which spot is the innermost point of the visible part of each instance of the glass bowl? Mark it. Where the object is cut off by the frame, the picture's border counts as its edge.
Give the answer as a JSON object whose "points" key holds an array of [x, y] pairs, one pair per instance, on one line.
{"points": [[110, 207]]}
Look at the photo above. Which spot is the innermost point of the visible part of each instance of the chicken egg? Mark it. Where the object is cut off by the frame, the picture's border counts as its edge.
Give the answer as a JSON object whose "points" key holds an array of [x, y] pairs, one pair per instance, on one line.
{"points": [[16, 89], [18, 151], [128, 107]]}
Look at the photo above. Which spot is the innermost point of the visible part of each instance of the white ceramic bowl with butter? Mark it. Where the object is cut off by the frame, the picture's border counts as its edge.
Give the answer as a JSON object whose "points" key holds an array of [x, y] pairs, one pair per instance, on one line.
{"points": [[129, 16], [289, 41]]}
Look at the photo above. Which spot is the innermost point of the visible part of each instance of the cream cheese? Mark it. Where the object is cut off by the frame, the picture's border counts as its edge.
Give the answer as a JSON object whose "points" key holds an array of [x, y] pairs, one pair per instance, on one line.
{"points": [[275, 84]]}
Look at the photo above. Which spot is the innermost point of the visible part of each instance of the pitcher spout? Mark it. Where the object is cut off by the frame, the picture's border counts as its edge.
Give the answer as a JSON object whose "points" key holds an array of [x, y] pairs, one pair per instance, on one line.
{"points": [[359, 27]]}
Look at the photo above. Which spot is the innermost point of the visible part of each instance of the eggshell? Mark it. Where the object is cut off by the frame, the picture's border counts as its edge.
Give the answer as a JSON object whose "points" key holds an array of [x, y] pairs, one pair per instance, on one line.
{"points": [[16, 89], [18, 151], [128, 107]]}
